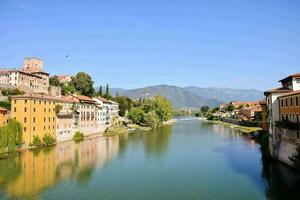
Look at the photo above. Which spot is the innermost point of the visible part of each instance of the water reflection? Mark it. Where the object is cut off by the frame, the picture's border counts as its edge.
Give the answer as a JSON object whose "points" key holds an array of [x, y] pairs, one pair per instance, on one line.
{"points": [[29, 173]]}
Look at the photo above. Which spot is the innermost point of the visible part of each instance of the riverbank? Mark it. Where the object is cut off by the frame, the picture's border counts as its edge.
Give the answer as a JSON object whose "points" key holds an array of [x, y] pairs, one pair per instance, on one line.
{"points": [[244, 129]]}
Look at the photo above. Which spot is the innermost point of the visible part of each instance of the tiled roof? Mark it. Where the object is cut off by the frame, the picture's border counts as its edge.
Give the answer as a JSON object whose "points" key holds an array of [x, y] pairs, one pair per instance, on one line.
{"points": [[278, 90], [3, 109], [291, 93], [82, 98], [244, 102], [43, 97], [103, 99]]}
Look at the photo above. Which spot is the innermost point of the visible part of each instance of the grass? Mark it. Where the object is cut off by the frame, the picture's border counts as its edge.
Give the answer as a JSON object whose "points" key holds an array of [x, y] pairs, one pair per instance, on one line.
{"points": [[117, 130], [244, 129]]}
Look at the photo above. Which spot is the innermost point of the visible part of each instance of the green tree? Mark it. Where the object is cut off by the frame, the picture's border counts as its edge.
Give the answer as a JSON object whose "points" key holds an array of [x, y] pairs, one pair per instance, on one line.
{"points": [[136, 115], [151, 119], [54, 81], [48, 139], [100, 93], [83, 84], [163, 108], [230, 108], [107, 94], [10, 136], [125, 104], [204, 109]]}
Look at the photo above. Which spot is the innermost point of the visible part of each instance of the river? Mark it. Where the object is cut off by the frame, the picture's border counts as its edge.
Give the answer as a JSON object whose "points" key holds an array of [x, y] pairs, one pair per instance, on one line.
{"points": [[187, 160]]}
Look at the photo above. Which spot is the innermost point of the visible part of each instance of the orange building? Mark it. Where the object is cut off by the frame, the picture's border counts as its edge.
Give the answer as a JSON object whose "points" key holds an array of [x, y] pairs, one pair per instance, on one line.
{"points": [[3, 116], [289, 107]]}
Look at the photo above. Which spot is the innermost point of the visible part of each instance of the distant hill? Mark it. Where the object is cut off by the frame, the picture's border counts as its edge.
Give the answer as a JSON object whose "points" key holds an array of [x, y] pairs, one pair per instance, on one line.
{"points": [[191, 97]]}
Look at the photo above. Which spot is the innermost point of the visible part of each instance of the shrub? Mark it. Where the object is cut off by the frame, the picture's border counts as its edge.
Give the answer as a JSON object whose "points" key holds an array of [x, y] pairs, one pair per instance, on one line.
{"points": [[5, 104], [48, 139], [78, 136], [136, 115], [36, 141], [295, 158], [151, 119]]}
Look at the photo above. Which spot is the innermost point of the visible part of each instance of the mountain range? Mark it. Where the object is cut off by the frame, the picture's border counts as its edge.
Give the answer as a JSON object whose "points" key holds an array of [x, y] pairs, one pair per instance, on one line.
{"points": [[191, 97]]}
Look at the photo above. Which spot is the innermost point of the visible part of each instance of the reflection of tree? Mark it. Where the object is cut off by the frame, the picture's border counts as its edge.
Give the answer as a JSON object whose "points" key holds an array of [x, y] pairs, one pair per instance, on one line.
{"points": [[84, 174], [10, 169], [157, 140]]}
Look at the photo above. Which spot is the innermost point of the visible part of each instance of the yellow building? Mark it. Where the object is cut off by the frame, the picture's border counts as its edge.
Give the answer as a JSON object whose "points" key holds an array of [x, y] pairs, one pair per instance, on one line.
{"points": [[3, 116], [36, 113]]}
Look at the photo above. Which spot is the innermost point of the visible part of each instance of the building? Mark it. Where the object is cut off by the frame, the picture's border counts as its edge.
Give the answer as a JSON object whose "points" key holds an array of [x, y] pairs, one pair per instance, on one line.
{"points": [[64, 79], [242, 104], [30, 78], [282, 113], [101, 113], [86, 107], [36, 113], [33, 64], [66, 119], [253, 112], [3, 116]]}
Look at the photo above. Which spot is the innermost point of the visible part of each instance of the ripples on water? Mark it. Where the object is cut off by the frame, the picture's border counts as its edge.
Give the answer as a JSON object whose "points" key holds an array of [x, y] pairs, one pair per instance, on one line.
{"points": [[189, 160]]}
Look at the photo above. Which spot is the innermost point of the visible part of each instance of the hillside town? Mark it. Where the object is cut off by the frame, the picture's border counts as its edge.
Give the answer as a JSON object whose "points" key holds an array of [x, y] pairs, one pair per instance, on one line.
{"points": [[42, 109]]}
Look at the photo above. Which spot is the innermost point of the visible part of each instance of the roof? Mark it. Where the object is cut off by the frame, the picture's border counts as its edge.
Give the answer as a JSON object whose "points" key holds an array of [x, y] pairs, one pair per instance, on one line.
{"points": [[82, 98], [297, 75], [3, 109], [290, 94], [40, 72], [277, 90], [244, 102], [43, 97], [103, 99]]}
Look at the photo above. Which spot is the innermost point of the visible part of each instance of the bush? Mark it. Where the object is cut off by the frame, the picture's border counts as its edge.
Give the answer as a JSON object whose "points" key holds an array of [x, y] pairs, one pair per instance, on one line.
{"points": [[78, 136], [10, 136], [136, 115], [36, 141], [5, 104], [295, 158], [48, 139], [151, 119]]}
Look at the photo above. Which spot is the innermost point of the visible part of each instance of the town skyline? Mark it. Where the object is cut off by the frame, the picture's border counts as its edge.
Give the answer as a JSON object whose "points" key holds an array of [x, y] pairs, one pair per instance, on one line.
{"points": [[133, 44]]}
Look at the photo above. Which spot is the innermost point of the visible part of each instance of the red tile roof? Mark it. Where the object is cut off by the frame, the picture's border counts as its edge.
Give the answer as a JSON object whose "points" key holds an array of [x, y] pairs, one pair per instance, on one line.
{"points": [[278, 90], [3, 109], [82, 98], [104, 100], [291, 93]]}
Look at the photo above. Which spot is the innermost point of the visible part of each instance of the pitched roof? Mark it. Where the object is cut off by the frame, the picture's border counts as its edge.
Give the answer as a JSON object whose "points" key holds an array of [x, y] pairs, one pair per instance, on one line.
{"points": [[291, 93], [83, 98], [103, 99], [277, 90], [297, 75], [3, 109]]}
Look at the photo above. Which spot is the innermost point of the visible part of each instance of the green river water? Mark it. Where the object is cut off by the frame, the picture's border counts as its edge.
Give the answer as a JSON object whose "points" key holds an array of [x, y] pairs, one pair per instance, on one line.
{"points": [[187, 160]]}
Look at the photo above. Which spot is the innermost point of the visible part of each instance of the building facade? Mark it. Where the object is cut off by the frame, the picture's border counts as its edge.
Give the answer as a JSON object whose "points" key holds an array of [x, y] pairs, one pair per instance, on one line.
{"points": [[282, 112], [3, 116], [37, 115]]}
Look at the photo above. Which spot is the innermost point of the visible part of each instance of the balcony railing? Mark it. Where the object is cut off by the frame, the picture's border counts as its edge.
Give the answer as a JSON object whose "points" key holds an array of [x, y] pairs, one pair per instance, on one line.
{"points": [[286, 124]]}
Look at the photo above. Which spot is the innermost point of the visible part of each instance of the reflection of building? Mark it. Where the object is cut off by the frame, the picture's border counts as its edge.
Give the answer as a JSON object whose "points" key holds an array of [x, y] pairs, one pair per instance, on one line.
{"points": [[3, 116], [283, 109], [43, 168]]}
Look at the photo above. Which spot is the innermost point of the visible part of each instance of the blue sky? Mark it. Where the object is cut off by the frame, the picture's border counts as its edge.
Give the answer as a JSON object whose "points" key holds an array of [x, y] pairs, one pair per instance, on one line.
{"points": [[136, 43]]}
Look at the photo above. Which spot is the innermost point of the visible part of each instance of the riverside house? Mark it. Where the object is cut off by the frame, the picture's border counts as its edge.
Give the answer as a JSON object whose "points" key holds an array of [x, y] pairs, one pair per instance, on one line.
{"points": [[36, 113], [283, 108], [86, 107], [3, 116]]}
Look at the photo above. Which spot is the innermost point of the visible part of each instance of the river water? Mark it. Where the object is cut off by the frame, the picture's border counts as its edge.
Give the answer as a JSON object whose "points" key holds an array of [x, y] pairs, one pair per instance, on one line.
{"points": [[187, 160]]}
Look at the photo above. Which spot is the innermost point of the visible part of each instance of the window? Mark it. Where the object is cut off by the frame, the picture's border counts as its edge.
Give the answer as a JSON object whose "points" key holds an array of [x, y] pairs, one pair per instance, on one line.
{"points": [[24, 129], [15, 101], [34, 101], [44, 109], [25, 101], [25, 109], [49, 127], [44, 119], [33, 109], [15, 109], [25, 119], [281, 103], [291, 102], [44, 127], [33, 128], [49, 110], [34, 120], [298, 134], [286, 103], [297, 101], [49, 119]]}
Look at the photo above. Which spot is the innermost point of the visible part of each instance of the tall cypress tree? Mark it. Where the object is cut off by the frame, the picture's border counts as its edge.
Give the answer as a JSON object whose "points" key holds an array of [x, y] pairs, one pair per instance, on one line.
{"points": [[107, 91], [100, 91]]}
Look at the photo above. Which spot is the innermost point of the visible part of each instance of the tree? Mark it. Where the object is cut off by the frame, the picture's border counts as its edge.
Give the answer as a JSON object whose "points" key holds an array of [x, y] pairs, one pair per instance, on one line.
{"points": [[136, 115], [163, 108], [151, 119], [107, 95], [10, 136], [204, 109], [100, 93], [230, 108], [125, 104], [83, 84], [54, 81]]}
